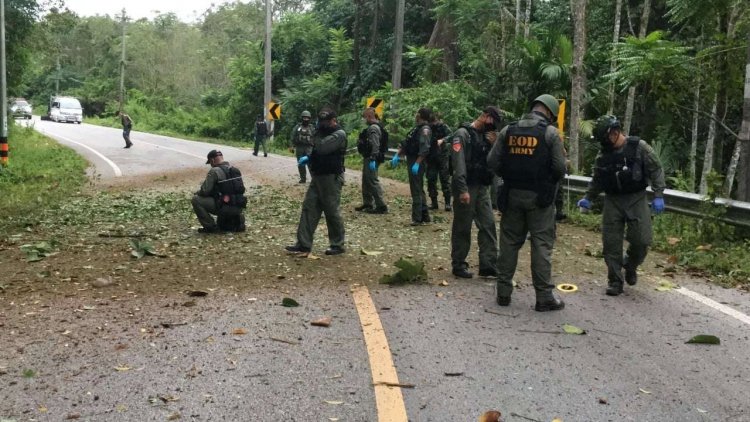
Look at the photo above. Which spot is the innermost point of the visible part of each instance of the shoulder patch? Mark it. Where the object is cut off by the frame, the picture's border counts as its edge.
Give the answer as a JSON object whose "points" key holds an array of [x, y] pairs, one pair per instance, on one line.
{"points": [[457, 145]]}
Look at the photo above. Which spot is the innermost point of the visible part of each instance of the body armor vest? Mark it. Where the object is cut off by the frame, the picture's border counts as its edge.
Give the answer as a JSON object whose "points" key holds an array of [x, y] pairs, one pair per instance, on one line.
{"points": [[439, 131], [411, 148], [330, 163], [621, 173], [305, 135], [526, 157], [475, 154]]}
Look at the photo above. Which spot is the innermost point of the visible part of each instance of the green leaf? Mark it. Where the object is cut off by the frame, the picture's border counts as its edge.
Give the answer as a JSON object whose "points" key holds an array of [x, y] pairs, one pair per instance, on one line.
{"points": [[409, 272], [572, 329], [289, 302], [29, 373], [704, 339], [665, 286]]}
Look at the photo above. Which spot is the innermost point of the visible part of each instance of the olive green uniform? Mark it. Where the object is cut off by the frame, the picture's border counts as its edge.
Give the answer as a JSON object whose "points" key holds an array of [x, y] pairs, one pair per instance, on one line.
{"points": [[205, 201], [372, 191], [302, 140], [478, 210], [416, 182], [522, 214], [631, 210], [324, 194]]}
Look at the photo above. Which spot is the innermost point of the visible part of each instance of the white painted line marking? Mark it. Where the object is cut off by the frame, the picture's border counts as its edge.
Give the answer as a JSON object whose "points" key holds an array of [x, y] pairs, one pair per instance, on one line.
{"points": [[171, 149], [714, 304], [118, 172]]}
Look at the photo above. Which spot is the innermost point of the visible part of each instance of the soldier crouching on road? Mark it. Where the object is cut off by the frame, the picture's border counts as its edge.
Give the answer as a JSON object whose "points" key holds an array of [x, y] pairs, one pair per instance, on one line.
{"points": [[472, 179], [528, 155], [623, 170], [221, 194], [324, 192]]}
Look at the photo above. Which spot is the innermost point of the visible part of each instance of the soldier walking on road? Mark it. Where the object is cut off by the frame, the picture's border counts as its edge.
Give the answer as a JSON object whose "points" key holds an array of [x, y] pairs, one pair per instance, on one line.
{"points": [[416, 147], [127, 125], [529, 157], [625, 166], [438, 163], [472, 179], [261, 132], [324, 192], [368, 146], [302, 140]]}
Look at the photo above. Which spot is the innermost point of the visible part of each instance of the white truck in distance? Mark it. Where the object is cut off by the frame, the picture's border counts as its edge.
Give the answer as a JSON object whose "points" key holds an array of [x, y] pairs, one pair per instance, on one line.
{"points": [[65, 109]]}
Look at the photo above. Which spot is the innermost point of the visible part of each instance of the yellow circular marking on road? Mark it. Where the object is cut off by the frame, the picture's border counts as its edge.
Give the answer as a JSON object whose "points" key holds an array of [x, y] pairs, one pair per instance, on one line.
{"points": [[567, 287]]}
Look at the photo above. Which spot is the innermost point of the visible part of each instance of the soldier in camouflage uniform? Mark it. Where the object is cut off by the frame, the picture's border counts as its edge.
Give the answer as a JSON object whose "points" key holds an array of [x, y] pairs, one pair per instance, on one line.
{"points": [[529, 157], [302, 141], [471, 186], [623, 169], [416, 147], [324, 193], [438, 163], [368, 146]]}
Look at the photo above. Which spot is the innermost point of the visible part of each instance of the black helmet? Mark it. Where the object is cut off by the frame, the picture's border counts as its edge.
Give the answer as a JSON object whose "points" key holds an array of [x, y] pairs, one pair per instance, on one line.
{"points": [[602, 126]]}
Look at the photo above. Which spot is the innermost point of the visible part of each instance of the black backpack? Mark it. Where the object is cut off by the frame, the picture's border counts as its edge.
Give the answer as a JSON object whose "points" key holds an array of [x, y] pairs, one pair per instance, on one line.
{"points": [[232, 188]]}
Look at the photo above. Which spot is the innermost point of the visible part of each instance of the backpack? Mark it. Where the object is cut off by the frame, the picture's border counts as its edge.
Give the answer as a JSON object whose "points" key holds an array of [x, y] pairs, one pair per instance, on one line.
{"points": [[383, 143], [232, 188]]}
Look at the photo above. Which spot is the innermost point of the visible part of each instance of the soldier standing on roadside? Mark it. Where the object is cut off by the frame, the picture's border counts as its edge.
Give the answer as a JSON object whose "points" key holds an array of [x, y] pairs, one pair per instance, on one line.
{"points": [[302, 140], [261, 132], [369, 147], [324, 192], [416, 147], [529, 157], [470, 145], [127, 125], [438, 163], [624, 168]]}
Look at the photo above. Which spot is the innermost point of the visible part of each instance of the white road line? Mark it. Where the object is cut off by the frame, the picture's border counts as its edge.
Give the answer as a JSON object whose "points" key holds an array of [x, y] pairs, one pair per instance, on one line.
{"points": [[714, 304], [171, 149], [118, 172]]}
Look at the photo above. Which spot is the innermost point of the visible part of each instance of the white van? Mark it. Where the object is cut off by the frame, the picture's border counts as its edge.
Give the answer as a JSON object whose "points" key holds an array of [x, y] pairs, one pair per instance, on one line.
{"points": [[65, 109]]}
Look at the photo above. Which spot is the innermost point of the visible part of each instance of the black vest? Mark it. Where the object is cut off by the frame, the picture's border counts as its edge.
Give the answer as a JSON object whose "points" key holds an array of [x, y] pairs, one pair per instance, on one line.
{"points": [[411, 147], [475, 154], [330, 163], [526, 157], [439, 131], [621, 173]]}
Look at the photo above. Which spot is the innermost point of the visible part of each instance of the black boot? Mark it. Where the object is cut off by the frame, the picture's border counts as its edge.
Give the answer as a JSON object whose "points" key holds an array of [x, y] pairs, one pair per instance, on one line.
{"points": [[614, 289]]}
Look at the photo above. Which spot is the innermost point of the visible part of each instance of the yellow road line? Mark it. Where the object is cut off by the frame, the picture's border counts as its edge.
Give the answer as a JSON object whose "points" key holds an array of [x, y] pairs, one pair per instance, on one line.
{"points": [[389, 400]]}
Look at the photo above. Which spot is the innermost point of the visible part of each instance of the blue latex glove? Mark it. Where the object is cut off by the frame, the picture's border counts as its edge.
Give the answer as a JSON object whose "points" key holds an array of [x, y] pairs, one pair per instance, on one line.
{"points": [[395, 160], [584, 203], [372, 165], [415, 169], [658, 205], [303, 160]]}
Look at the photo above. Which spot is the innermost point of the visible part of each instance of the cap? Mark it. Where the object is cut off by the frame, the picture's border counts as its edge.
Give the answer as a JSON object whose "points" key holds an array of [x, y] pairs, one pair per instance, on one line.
{"points": [[326, 114], [213, 154]]}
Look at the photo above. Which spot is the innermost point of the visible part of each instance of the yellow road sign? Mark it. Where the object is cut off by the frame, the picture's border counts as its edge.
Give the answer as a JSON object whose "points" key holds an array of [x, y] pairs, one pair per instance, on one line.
{"points": [[274, 111], [561, 117], [377, 104]]}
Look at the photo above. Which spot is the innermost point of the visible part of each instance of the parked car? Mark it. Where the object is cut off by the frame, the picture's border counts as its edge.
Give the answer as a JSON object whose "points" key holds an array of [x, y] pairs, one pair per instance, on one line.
{"points": [[65, 109], [20, 108]]}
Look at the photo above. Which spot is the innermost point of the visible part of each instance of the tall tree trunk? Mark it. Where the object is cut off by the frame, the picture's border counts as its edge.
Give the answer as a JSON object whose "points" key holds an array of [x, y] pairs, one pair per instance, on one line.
{"points": [[743, 182], [503, 39], [527, 20], [375, 24], [357, 35], [708, 155], [398, 45], [443, 37], [518, 18], [578, 87], [613, 64], [694, 139], [732, 169], [631, 91]]}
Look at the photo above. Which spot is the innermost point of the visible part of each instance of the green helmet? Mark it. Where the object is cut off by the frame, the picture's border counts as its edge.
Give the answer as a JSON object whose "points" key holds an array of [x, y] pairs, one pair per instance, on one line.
{"points": [[306, 114], [602, 126], [548, 101]]}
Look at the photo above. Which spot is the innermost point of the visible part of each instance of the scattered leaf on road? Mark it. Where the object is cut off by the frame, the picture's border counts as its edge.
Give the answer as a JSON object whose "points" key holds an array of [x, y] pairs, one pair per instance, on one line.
{"points": [[665, 286], [333, 402], [491, 416], [197, 293], [704, 339], [363, 251], [321, 322], [289, 302], [644, 391], [122, 368], [572, 329], [239, 331], [102, 282], [603, 400]]}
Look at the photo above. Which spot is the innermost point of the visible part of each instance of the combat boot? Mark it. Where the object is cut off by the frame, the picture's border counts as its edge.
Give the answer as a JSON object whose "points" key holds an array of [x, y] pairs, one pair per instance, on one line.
{"points": [[426, 217], [631, 276], [434, 204], [448, 206], [614, 289], [554, 304]]}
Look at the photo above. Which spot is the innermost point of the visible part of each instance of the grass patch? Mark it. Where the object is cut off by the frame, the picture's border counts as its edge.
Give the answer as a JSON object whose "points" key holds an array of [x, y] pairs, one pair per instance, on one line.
{"points": [[40, 174]]}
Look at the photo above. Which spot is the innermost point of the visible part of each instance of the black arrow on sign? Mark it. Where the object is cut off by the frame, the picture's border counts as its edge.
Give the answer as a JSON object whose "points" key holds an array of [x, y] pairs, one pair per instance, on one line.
{"points": [[274, 111], [375, 103]]}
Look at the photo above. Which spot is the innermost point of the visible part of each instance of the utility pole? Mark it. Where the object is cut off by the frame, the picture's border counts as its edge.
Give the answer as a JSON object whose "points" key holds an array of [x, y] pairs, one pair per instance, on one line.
{"points": [[122, 65], [3, 91], [398, 45], [57, 77], [267, 76]]}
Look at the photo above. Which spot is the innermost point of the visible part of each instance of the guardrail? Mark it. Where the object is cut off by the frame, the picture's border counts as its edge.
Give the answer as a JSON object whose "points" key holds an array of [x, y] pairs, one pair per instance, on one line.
{"points": [[685, 203]]}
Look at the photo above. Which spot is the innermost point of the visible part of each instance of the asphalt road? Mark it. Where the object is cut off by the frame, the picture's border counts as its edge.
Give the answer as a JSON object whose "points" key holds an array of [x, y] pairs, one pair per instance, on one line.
{"points": [[462, 353]]}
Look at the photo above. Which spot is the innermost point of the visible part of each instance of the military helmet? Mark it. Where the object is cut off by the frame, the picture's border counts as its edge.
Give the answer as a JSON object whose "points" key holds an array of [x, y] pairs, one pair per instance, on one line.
{"points": [[602, 126], [548, 101], [306, 114]]}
